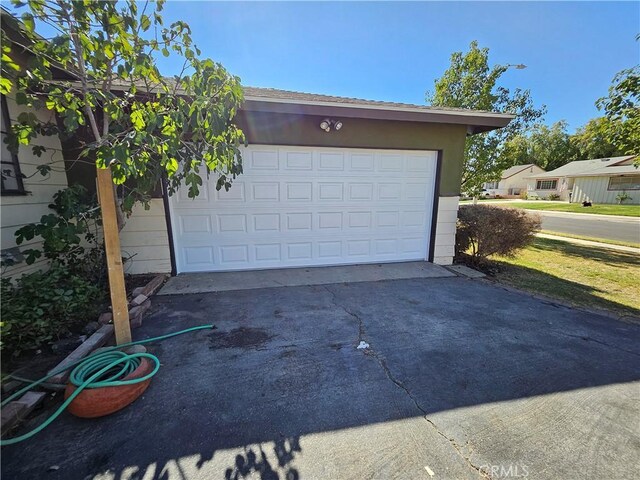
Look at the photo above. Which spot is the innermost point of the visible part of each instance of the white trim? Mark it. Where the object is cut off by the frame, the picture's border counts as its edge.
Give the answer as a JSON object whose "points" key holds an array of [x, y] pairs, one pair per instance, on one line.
{"points": [[445, 240]]}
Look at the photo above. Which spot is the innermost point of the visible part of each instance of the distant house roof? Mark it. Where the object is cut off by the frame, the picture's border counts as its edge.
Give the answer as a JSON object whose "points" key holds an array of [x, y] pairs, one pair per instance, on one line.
{"points": [[510, 172], [593, 168]]}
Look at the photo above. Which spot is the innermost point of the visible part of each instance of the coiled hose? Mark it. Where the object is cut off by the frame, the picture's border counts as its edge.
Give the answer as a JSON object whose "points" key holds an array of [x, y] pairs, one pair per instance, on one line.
{"points": [[102, 369]]}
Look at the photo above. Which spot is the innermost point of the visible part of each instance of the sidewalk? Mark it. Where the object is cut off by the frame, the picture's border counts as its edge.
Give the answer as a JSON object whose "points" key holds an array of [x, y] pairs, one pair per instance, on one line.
{"points": [[624, 218], [590, 243]]}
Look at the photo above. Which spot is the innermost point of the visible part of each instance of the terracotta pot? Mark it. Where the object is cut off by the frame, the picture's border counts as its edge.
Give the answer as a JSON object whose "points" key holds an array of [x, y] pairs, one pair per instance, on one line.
{"points": [[97, 402]]}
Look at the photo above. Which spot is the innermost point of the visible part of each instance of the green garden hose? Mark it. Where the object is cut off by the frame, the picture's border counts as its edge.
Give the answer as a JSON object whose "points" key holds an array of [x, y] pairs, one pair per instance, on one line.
{"points": [[98, 370]]}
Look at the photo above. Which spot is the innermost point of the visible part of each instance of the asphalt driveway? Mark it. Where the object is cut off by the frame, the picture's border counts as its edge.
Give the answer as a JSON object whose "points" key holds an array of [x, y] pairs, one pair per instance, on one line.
{"points": [[461, 379]]}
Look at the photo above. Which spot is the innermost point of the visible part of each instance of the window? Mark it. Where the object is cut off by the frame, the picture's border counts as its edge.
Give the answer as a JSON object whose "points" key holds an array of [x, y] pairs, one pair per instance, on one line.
{"points": [[11, 176], [628, 182], [546, 184], [491, 185]]}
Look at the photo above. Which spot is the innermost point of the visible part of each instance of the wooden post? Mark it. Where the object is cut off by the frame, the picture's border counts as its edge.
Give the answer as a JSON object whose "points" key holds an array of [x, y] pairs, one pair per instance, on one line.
{"points": [[117, 287]]}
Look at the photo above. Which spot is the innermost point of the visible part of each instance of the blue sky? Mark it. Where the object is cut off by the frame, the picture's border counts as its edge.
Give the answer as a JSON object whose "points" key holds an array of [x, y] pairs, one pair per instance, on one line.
{"points": [[394, 51]]}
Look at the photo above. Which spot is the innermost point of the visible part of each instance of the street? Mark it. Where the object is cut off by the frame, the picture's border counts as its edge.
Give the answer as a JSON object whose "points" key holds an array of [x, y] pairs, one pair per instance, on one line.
{"points": [[598, 226]]}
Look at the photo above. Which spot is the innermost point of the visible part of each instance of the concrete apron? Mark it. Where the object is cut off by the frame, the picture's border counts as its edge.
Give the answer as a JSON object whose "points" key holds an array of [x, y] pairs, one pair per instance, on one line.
{"points": [[293, 277]]}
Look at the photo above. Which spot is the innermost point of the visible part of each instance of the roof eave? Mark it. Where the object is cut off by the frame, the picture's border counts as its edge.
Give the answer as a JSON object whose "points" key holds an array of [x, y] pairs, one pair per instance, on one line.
{"points": [[477, 121]]}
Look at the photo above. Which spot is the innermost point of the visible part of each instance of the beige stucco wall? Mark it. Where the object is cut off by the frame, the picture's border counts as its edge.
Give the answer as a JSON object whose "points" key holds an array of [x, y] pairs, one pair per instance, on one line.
{"points": [[19, 210], [595, 189], [561, 189], [519, 180]]}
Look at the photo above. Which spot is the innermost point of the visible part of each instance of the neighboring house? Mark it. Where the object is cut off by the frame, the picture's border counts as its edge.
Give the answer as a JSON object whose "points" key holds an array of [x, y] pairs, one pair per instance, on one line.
{"points": [[512, 182], [327, 181], [601, 180]]}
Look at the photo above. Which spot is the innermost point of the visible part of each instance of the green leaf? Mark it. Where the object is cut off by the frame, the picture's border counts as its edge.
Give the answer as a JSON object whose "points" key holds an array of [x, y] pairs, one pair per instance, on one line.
{"points": [[137, 118], [27, 20], [108, 51], [172, 166], [145, 23], [5, 86]]}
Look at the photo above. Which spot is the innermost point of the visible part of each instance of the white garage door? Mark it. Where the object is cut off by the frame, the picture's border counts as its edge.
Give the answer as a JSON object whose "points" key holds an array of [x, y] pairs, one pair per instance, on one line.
{"points": [[305, 206]]}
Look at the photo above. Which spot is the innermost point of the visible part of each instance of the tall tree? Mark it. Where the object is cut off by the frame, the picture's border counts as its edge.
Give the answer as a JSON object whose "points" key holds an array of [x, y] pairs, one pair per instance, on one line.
{"points": [[140, 125], [470, 82], [547, 147], [134, 120], [622, 110], [597, 139]]}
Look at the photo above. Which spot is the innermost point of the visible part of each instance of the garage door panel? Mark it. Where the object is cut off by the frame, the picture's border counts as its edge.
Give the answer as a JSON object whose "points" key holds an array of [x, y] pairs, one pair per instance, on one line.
{"points": [[264, 160], [298, 160], [360, 191], [387, 219], [197, 224], [362, 162], [299, 221], [265, 191], [300, 206], [299, 191], [198, 256], [331, 161], [390, 163], [234, 195], [266, 222], [268, 252], [330, 191]]}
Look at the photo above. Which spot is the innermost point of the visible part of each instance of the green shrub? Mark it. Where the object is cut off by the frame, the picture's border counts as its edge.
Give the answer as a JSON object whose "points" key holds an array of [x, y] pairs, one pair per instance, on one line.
{"points": [[553, 196], [484, 230], [41, 307], [622, 197], [69, 234]]}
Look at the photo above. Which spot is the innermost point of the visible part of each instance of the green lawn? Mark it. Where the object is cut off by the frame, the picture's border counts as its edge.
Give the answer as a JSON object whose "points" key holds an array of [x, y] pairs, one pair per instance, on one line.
{"points": [[626, 210], [583, 276]]}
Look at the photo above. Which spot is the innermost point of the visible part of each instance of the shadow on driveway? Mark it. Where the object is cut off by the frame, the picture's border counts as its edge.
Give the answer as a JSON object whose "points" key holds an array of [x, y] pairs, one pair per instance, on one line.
{"points": [[460, 376]]}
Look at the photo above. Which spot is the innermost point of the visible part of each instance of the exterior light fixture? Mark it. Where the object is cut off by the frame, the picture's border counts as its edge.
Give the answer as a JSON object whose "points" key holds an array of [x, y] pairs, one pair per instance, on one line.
{"points": [[327, 123]]}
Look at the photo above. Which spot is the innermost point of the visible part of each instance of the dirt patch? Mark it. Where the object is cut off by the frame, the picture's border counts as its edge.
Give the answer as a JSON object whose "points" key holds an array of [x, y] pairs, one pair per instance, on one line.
{"points": [[242, 337], [140, 280]]}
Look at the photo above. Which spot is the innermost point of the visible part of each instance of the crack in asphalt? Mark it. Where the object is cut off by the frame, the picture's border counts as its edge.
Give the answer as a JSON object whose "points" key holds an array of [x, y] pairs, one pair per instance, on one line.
{"points": [[387, 371], [600, 342]]}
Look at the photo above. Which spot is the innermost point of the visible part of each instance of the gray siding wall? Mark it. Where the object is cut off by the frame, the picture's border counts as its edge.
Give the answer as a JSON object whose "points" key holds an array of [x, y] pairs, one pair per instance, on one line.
{"points": [[594, 189]]}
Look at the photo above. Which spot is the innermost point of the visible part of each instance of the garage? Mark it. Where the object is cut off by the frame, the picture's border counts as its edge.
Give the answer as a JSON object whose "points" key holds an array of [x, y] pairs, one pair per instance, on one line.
{"points": [[327, 181], [309, 206]]}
